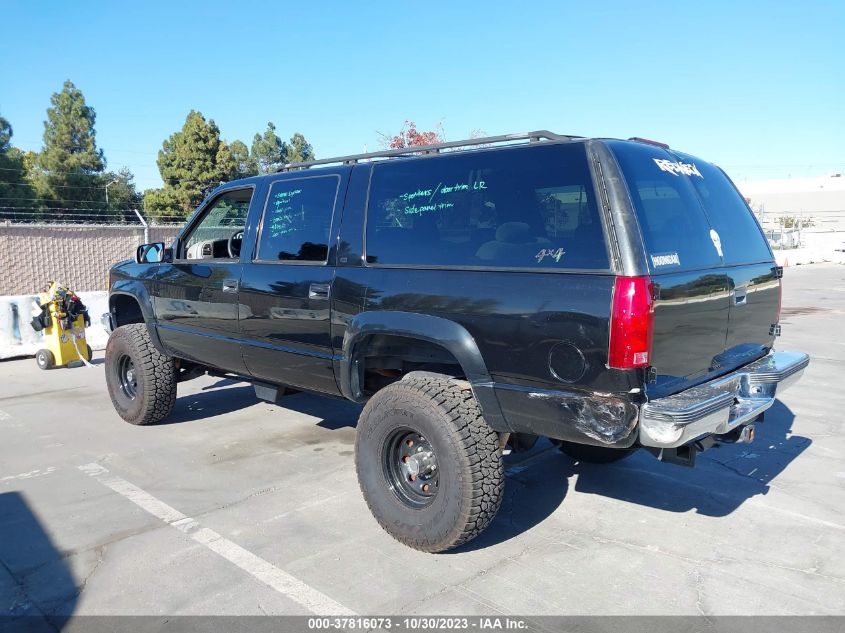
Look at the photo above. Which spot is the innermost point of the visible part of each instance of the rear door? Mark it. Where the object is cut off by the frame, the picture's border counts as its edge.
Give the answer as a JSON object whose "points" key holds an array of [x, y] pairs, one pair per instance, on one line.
{"points": [[692, 307], [752, 275], [719, 289], [285, 289]]}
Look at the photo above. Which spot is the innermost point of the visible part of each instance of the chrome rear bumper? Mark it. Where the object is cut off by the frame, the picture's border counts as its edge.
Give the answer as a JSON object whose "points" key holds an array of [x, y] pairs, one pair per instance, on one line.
{"points": [[721, 405]]}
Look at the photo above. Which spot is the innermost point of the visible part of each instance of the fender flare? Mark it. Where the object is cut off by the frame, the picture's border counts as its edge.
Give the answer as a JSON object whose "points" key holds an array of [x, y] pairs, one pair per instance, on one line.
{"points": [[137, 291], [449, 335]]}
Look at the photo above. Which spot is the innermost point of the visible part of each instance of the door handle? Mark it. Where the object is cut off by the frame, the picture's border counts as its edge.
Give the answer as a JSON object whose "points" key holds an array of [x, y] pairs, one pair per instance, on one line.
{"points": [[740, 295], [230, 285], [319, 291]]}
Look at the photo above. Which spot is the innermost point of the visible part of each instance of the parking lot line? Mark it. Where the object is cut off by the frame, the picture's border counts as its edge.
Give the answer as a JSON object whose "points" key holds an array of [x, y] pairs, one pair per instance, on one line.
{"points": [[264, 571], [29, 475]]}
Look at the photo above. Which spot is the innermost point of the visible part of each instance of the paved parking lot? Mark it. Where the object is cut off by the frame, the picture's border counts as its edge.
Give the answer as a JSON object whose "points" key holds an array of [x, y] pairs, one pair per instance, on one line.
{"points": [[242, 507]]}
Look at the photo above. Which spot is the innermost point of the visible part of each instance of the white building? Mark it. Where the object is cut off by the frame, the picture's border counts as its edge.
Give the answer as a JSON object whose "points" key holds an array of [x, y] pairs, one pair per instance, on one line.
{"points": [[820, 199]]}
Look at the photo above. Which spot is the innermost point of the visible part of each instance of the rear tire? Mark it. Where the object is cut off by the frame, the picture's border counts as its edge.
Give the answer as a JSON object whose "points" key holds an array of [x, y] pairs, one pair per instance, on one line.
{"points": [[407, 427], [141, 380], [594, 454], [44, 359]]}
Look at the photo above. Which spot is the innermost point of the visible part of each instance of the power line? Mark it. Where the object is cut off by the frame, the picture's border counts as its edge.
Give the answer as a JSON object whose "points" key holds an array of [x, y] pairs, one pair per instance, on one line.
{"points": [[51, 200]]}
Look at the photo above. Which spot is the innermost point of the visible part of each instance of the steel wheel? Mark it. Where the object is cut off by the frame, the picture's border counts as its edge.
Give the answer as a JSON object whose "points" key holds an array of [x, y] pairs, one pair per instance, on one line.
{"points": [[126, 375], [410, 467]]}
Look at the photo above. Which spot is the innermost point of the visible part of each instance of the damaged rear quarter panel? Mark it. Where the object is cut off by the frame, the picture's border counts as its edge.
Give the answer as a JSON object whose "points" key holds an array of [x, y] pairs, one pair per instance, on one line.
{"points": [[601, 419]]}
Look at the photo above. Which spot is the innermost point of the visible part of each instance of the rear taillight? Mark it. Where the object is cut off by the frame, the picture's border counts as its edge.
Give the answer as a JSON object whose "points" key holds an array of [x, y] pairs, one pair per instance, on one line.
{"points": [[780, 301], [632, 323]]}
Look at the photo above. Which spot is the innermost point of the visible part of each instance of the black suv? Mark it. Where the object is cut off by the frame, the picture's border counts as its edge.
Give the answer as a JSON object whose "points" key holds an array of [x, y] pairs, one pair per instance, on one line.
{"points": [[607, 294]]}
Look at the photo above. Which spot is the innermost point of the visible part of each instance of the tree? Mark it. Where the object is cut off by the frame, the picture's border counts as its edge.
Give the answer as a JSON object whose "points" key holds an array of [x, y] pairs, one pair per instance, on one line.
{"points": [[298, 150], [69, 167], [409, 136], [268, 150], [16, 194], [5, 135], [122, 193], [191, 162], [244, 164]]}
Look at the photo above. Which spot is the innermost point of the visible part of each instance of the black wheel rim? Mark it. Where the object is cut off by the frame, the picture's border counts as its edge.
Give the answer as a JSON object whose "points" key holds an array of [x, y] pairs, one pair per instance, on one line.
{"points": [[126, 375], [410, 467]]}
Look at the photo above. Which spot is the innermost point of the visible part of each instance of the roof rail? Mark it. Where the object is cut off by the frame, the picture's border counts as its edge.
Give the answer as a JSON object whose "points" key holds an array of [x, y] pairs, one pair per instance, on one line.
{"points": [[538, 135]]}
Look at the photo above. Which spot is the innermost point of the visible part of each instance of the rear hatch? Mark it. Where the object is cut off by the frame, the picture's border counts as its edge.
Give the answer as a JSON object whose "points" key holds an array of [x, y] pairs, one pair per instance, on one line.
{"points": [[718, 290]]}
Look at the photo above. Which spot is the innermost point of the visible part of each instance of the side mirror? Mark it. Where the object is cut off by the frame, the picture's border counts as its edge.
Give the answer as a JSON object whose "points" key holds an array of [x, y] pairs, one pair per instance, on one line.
{"points": [[154, 253]]}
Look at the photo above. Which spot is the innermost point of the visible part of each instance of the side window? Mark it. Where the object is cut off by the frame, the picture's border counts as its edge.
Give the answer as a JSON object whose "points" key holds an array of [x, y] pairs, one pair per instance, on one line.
{"points": [[219, 233], [297, 220], [531, 207]]}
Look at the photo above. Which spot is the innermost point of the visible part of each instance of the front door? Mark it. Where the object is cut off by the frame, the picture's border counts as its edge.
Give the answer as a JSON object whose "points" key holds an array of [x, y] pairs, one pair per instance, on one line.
{"points": [[285, 291], [196, 296]]}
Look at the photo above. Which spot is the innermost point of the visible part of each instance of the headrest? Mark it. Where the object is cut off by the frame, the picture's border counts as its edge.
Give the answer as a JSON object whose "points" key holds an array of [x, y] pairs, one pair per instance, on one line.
{"points": [[514, 233]]}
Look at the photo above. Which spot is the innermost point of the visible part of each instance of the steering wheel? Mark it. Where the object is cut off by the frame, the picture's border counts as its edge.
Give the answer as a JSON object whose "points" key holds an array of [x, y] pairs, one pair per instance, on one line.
{"points": [[234, 244]]}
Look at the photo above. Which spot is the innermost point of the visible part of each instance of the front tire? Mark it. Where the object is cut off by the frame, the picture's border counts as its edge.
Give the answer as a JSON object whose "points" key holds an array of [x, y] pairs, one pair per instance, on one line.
{"points": [[141, 380], [429, 466]]}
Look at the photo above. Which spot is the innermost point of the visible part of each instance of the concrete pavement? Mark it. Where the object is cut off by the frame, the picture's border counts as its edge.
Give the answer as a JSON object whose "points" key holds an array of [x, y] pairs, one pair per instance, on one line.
{"points": [[241, 507]]}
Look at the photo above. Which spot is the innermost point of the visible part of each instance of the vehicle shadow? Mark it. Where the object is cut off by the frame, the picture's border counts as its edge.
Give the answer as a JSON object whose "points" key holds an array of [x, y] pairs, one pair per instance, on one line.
{"points": [[229, 394], [536, 483], [723, 479], [210, 402], [37, 588]]}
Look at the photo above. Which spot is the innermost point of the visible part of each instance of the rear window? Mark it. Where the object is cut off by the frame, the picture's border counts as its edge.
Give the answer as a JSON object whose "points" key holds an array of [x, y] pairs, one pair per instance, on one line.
{"points": [[672, 221], [740, 236], [518, 208]]}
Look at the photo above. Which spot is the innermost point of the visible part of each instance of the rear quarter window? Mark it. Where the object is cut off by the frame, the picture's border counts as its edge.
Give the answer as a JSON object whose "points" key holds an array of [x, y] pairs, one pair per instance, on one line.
{"points": [[531, 207]]}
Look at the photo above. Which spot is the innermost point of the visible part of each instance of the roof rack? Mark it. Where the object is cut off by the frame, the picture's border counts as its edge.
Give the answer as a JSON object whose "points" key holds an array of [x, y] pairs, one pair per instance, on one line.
{"points": [[538, 135]]}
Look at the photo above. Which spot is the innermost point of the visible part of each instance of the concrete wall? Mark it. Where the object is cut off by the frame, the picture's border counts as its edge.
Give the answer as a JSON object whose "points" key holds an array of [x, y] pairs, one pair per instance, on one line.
{"points": [[77, 256]]}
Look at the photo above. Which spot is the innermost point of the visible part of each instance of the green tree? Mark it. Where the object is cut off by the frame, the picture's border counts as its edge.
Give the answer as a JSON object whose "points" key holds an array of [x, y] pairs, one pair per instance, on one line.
{"points": [[244, 164], [268, 150], [123, 197], [16, 194], [298, 150], [191, 162], [69, 168]]}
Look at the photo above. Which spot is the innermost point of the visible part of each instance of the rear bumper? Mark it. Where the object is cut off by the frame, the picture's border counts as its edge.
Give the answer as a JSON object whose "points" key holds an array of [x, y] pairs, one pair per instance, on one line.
{"points": [[721, 405]]}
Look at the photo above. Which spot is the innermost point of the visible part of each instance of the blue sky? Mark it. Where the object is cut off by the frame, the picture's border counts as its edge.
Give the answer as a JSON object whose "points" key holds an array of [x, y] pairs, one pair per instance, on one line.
{"points": [[758, 87]]}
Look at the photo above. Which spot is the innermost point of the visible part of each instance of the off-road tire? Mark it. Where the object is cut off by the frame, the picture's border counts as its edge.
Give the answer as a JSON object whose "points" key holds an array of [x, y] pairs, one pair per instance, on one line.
{"points": [[154, 372], [470, 469], [594, 454], [44, 359]]}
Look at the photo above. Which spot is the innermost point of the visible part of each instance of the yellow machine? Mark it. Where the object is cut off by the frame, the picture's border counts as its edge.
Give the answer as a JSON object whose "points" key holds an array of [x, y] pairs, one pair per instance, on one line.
{"points": [[63, 319]]}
